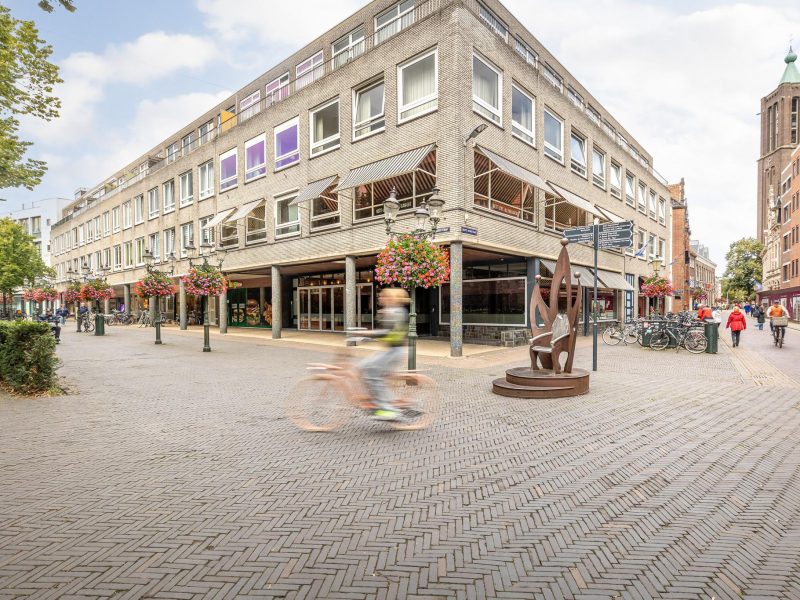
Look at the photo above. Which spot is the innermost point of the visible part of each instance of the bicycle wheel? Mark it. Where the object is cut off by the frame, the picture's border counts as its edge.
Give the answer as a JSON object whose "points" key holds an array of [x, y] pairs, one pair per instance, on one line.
{"points": [[659, 341], [317, 403], [417, 397], [780, 342], [630, 335], [612, 336], [695, 342]]}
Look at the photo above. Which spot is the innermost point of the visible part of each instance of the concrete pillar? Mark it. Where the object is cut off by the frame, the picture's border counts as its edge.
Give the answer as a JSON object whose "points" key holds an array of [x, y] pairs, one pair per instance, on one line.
{"points": [[277, 303], [456, 292], [126, 297], [182, 314], [106, 306], [350, 291], [222, 299], [262, 300]]}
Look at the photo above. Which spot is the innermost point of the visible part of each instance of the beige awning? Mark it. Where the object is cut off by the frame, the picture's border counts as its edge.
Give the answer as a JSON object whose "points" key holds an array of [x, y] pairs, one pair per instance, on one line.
{"points": [[515, 170], [614, 281], [393, 166], [574, 199], [587, 275], [244, 210], [313, 190], [219, 218], [610, 215]]}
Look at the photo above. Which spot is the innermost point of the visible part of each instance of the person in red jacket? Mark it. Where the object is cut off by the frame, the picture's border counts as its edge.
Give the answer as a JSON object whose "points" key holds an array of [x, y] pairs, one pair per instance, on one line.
{"points": [[736, 323]]}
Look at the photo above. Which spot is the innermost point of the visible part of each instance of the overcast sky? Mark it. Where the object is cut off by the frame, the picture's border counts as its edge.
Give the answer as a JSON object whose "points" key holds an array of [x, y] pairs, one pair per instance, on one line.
{"points": [[684, 77]]}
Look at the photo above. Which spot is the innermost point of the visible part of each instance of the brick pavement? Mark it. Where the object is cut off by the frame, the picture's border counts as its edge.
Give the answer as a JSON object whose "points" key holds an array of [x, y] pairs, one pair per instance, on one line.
{"points": [[169, 473]]}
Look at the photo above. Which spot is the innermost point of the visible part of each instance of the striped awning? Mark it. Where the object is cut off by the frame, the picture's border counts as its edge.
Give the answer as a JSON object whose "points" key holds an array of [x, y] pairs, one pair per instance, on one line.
{"points": [[385, 168], [574, 199], [614, 281], [587, 275], [244, 210], [313, 190], [219, 218], [609, 215], [515, 170]]}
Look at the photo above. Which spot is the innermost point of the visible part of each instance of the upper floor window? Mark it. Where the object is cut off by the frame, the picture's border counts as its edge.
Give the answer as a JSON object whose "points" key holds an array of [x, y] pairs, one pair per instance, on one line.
{"points": [[652, 206], [578, 154], [324, 127], [487, 88], [287, 216], [250, 105], [188, 143], [526, 52], [228, 169], [616, 180], [662, 211], [106, 224], [186, 187], [552, 77], [173, 151], [255, 157], [169, 196], [325, 209], [206, 132], [187, 237], [206, 232], [154, 241], [368, 110], [309, 71], [553, 136], [152, 203], [522, 111], [642, 198], [126, 215], [493, 22], [575, 97], [630, 189], [256, 224], [418, 86], [206, 176], [278, 89], [287, 144], [393, 20], [347, 47], [598, 167], [138, 209]]}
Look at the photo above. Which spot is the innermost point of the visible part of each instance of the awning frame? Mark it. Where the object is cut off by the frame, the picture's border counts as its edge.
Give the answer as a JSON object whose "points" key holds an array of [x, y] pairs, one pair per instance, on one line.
{"points": [[385, 168]]}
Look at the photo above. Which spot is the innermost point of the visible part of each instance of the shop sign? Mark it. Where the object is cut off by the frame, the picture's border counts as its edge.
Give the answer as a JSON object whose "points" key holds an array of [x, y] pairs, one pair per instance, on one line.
{"points": [[443, 230], [469, 230]]}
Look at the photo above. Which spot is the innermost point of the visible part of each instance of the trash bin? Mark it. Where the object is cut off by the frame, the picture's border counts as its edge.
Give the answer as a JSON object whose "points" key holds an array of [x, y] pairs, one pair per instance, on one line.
{"points": [[711, 330], [99, 324]]}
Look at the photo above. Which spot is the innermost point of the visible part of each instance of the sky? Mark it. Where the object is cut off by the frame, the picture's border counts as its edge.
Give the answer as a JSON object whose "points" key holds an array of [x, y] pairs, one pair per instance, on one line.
{"points": [[684, 77]]}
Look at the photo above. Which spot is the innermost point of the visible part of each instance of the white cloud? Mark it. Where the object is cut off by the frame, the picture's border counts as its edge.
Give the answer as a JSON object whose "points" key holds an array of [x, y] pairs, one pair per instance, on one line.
{"points": [[686, 81]]}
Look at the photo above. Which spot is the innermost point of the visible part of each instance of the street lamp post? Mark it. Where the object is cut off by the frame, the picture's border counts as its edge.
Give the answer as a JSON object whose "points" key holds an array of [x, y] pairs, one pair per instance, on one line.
{"points": [[426, 220], [99, 323], [149, 262], [72, 277], [656, 264], [206, 250]]}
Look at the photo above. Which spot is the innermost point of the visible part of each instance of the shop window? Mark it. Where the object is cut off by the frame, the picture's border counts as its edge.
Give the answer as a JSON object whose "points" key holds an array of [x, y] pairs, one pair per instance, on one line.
{"points": [[325, 209], [287, 216], [489, 302], [411, 188], [502, 193], [256, 225], [560, 214]]}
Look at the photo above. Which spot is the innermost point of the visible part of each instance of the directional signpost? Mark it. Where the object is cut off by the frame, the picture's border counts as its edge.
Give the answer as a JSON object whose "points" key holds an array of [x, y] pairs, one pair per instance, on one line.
{"points": [[602, 237]]}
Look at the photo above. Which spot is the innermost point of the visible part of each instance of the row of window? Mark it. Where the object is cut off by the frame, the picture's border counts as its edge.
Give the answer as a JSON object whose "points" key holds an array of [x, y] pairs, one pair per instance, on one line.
{"points": [[791, 270], [791, 237], [32, 225], [487, 94]]}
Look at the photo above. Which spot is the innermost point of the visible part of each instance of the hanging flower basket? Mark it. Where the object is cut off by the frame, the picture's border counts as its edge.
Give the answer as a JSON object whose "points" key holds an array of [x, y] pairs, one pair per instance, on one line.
{"points": [[205, 280], [72, 293], [29, 294], [411, 263], [46, 294], [657, 286], [155, 284], [96, 289]]}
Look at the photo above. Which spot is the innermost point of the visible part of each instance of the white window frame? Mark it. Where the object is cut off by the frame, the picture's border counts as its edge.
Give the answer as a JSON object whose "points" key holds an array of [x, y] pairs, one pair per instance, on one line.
{"points": [[138, 209], [250, 105], [154, 241], [207, 166], [641, 198], [576, 166], [317, 148], [81, 240], [184, 241], [518, 130], [295, 122], [171, 207], [118, 257], [206, 132], [140, 247], [281, 92], [495, 113], [169, 242], [599, 180], [252, 173], [127, 254], [367, 123], [662, 210], [107, 258], [127, 215], [652, 205], [286, 197], [630, 199], [151, 214], [492, 21], [187, 200], [349, 50], [420, 101], [231, 182], [556, 154], [89, 231], [206, 233], [387, 30], [106, 224], [616, 191], [172, 152], [312, 69]]}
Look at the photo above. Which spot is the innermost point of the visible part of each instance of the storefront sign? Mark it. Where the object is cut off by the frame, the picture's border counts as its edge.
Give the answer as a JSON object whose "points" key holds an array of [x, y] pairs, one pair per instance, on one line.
{"points": [[443, 230], [469, 230]]}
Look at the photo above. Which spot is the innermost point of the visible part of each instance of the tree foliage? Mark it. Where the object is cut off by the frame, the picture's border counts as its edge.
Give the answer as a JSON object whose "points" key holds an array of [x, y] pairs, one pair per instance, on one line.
{"points": [[744, 269], [27, 78], [21, 262], [48, 6]]}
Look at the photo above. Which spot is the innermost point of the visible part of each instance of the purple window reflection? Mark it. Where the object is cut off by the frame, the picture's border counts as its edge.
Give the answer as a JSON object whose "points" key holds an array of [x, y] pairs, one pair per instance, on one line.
{"points": [[227, 172], [286, 147], [255, 160]]}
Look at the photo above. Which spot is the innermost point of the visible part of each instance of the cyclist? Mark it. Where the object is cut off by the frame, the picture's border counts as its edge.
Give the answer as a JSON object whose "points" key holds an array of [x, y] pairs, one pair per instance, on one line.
{"points": [[777, 310], [393, 319], [704, 313]]}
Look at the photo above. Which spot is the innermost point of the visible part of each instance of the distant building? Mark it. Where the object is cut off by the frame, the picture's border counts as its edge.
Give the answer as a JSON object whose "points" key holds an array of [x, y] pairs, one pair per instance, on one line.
{"points": [[705, 273], [682, 253]]}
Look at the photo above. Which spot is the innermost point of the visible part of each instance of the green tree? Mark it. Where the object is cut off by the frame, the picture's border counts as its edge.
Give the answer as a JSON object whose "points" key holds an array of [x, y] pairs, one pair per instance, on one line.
{"points": [[27, 78], [47, 6], [21, 262], [744, 269]]}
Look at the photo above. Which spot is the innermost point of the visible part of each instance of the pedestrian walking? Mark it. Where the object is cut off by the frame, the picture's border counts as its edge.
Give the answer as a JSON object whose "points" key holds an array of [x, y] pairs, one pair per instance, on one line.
{"points": [[746, 309], [760, 316], [736, 323]]}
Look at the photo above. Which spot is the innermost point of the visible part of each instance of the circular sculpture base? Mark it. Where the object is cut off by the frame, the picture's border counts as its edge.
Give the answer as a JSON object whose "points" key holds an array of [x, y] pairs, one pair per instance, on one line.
{"points": [[523, 382]]}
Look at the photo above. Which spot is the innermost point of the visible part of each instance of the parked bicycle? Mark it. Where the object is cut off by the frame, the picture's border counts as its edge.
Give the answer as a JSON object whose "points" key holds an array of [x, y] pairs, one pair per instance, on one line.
{"points": [[320, 401], [87, 321], [629, 333], [683, 334]]}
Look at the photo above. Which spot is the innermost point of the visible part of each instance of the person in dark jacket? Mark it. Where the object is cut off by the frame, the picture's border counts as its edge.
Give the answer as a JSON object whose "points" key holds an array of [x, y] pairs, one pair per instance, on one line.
{"points": [[760, 316], [736, 323]]}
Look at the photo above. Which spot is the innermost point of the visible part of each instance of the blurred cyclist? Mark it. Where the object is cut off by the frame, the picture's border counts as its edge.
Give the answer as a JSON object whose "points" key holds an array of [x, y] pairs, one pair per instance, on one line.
{"points": [[393, 321]]}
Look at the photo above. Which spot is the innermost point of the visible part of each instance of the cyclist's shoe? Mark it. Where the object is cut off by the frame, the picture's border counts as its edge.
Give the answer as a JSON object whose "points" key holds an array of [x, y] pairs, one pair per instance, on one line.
{"points": [[384, 414]]}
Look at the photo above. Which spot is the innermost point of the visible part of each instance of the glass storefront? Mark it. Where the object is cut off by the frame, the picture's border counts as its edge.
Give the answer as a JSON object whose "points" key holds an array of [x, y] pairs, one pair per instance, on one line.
{"points": [[319, 302], [250, 307], [493, 294]]}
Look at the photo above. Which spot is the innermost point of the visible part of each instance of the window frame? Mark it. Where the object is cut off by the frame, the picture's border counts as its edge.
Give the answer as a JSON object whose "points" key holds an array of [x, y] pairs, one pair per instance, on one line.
{"points": [[127, 255], [169, 236], [281, 92], [601, 183], [169, 184], [315, 62], [183, 241], [138, 209], [347, 49], [313, 217], [574, 165], [150, 197], [378, 31], [187, 200], [118, 261], [616, 192], [495, 114], [258, 235], [256, 171], [155, 248], [140, 247], [366, 87], [319, 146], [209, 164], [203, 227], [547, 145], [630, 199], [233, 181], [652, 205], [523, 133], [278, 129], [420, 101], [250, 105], [127, 217], [641, 198], [286, 197]]}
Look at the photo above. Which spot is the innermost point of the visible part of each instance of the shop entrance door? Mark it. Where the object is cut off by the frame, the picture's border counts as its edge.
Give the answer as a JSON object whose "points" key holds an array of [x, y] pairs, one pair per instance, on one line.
{"points": [[364, 305], [322, 308]]}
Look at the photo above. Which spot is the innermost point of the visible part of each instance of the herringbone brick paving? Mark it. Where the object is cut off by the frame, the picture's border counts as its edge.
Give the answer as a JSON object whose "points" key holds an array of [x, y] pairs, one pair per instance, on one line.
{"points": [[169, 473]]}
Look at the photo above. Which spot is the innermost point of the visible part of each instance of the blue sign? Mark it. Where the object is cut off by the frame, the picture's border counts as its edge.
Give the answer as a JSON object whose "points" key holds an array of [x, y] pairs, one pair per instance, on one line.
{"points": [[469, 230]]}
